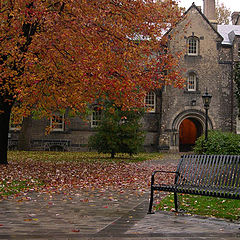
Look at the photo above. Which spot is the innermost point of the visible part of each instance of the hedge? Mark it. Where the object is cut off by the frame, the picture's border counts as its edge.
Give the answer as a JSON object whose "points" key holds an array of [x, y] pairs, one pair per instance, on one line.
{"points": [[225, 143]]}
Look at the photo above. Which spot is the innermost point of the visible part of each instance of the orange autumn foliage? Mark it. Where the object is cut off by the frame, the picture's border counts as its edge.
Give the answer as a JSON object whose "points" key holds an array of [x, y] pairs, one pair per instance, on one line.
{"points": [[63, 53]]}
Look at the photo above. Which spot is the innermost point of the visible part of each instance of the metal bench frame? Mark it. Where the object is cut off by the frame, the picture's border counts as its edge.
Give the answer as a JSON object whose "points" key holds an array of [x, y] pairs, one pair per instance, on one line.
{"points": [[206, 175]]}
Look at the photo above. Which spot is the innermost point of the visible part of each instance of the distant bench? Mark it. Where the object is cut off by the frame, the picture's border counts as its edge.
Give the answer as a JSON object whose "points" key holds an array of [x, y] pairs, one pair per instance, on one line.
{"points": [[51, 144], [207, 175]]}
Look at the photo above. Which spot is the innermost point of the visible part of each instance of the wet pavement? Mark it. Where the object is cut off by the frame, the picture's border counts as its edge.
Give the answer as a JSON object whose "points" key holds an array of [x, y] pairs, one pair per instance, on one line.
{"points": [[103, 215]]}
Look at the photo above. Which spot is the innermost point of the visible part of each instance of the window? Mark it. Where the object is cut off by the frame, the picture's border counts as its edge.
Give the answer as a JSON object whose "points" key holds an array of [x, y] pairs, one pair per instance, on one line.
{"points": [[15, 126], [150, 102], [57, 122], [192, 82], [192, 44], [96, 117]]}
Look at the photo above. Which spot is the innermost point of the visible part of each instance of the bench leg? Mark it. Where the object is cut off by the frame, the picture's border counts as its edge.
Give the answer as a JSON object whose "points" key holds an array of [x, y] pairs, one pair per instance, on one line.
{"points": [[176, 201], [150, 211]]}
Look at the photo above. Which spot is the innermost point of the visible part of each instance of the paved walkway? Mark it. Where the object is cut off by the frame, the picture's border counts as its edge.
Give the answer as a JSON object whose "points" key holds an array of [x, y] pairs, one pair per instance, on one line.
{"points": [[103, 215]]}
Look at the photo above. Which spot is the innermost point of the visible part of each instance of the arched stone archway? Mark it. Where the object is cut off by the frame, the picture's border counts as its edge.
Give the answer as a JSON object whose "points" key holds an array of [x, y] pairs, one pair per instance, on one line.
{"points": [[186, 128]]}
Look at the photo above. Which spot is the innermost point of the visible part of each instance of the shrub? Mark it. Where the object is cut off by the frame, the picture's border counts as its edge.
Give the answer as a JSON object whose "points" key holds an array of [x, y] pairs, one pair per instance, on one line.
{"points": [[225, 143], [119, 132]]}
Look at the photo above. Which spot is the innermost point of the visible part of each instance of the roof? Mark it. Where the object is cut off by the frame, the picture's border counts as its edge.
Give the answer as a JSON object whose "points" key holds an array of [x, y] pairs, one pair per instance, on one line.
{"points": [[203, 16], [228, 32]]}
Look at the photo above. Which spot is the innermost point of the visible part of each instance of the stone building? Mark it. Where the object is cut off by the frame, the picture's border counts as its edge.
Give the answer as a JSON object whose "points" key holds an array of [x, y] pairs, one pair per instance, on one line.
{"points": [[175, 117], [208, 55]]}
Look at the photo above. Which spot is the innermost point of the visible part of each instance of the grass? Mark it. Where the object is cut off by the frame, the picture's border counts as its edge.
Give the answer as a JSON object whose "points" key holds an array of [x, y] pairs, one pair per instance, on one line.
{"points": [[205, 206], [78, 156], [30, 175], [14, 187]]}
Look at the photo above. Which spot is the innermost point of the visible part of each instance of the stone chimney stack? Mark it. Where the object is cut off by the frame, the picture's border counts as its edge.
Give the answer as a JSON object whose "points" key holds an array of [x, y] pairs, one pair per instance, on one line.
{"points": [[209, 10], [235, 18]]}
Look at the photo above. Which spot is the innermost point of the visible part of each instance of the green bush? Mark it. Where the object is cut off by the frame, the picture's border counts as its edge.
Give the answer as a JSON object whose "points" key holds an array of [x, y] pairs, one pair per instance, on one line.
{"points": [[225, 143], [119, 132]]}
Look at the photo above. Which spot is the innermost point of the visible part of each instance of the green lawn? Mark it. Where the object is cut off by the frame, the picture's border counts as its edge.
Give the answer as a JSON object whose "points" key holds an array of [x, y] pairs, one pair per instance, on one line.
{"points": [[78, 156], [201, 205]]}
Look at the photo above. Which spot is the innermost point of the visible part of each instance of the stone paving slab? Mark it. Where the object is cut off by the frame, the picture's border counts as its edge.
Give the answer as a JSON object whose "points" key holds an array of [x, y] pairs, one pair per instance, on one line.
{"points": [[177, 223], [84, 212], [115, 222]]}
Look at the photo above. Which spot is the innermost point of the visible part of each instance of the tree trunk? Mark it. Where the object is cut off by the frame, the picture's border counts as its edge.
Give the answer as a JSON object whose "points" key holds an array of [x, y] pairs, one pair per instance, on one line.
{"points": [[112, 154], [24, 135], [5, 111]]}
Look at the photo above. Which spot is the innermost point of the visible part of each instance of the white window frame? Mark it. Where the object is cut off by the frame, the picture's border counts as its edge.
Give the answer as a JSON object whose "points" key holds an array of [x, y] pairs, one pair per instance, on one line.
{"points": [[57, 126], [192, 82], [96, 117], [150, 102], [192, 46]]}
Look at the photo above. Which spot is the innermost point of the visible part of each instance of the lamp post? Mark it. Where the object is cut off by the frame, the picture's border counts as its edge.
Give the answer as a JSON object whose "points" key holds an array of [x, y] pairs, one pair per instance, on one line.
{"points": [[206, 102]]}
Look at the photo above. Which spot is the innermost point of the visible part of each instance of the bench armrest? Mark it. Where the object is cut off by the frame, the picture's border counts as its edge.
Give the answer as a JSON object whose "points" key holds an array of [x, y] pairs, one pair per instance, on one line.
{"points": [[161, 171]]}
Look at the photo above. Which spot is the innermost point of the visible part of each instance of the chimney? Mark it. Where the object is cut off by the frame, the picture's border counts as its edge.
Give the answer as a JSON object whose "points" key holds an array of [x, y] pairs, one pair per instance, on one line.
{"points": [[235, 18], [209, 10]]}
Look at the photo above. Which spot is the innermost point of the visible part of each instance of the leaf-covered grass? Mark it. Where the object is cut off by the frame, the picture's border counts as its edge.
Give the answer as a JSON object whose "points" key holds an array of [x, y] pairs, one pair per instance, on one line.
{"points": [[66, 172], [202, 205], [78, 156], [8, 188]]}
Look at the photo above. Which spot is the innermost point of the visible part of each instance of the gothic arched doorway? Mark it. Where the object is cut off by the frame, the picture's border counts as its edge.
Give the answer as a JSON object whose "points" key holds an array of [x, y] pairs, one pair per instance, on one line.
{"points": [[189, 130]]}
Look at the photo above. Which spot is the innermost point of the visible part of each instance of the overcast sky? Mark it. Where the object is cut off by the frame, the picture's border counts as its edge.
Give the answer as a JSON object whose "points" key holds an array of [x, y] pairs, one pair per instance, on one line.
{"points": [[234, 5]]}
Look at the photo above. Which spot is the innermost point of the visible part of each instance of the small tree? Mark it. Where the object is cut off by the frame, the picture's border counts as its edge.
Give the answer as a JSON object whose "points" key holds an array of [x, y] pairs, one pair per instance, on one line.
{"points": [[223, 14], [119, 132]]}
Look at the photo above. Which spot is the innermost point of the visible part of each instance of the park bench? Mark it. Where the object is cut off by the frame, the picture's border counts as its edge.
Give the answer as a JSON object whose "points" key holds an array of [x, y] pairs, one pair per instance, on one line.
{"points": [[207, 175]]}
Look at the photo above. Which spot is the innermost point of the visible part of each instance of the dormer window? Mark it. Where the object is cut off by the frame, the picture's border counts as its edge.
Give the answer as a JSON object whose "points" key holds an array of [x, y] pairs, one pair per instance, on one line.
{"points": [[192, 46]]}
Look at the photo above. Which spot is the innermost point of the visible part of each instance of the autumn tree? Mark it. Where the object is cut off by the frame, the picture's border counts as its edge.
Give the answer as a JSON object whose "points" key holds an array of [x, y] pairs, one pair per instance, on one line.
{"points": [[56, 54], [223, 14]]}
